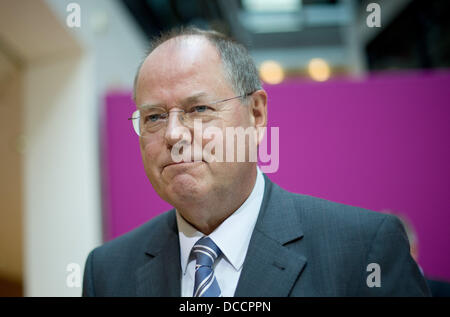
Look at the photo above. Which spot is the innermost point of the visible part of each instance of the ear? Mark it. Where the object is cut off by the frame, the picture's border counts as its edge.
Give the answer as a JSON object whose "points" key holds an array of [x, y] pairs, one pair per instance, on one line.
{"points": [[258, 111]]}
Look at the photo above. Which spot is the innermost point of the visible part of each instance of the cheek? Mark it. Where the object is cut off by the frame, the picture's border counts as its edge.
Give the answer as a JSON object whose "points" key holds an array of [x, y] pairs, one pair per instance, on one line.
{"points": [[150, 149], [240, 118]]}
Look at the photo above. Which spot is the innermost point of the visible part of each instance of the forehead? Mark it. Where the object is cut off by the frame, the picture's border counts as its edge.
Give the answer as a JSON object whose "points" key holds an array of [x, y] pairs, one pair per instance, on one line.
{"points": [[181, 65]]}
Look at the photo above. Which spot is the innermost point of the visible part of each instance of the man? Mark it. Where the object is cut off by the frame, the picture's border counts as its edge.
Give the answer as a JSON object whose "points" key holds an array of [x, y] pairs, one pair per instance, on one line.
{"points": [[233, 232]]}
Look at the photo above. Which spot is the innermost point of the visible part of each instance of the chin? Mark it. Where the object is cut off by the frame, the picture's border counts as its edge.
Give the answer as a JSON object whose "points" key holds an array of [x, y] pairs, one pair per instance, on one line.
{"points": [[185, 189]]}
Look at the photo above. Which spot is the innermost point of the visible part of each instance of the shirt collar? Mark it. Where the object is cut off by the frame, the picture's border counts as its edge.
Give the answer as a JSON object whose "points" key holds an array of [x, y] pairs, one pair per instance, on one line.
{"points": [[241, 223]]}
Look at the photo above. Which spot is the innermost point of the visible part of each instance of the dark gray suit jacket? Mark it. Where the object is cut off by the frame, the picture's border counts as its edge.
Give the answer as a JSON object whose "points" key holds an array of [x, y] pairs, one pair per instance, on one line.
{"points": [[301, 246]]}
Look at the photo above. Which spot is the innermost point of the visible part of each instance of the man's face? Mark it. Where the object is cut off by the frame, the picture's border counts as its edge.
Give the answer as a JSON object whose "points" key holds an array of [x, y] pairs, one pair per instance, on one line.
{"points": [[173, 72]]}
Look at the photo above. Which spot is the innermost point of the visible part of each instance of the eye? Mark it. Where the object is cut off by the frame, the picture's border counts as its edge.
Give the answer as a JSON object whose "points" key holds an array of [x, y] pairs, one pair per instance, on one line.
{"points": [[153, 117], [199, 109]]}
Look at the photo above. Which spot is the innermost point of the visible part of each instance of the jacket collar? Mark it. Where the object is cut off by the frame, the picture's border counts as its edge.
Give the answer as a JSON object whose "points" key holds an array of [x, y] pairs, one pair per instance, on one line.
{"points": [[160, 275], [270, 267]]}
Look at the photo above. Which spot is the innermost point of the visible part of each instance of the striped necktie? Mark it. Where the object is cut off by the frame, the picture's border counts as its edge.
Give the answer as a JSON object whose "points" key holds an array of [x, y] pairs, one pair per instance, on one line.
{"points": [[205, 252]]}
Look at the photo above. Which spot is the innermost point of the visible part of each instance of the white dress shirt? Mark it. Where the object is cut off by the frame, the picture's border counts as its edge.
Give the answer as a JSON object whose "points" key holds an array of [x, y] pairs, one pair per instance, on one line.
{"points": [[232, 237]]}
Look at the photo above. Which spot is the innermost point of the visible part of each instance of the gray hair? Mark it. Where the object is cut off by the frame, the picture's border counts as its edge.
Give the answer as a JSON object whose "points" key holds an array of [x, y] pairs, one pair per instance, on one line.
{"points": [[238, 65]]}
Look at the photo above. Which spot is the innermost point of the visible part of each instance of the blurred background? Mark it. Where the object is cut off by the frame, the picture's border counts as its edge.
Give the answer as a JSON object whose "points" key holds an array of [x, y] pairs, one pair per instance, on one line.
{"points": [[368, 109]]}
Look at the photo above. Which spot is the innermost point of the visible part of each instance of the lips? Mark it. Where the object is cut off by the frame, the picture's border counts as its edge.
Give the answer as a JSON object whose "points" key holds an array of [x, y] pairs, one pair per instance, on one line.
{"points": [[173, 163], [182, 162]]}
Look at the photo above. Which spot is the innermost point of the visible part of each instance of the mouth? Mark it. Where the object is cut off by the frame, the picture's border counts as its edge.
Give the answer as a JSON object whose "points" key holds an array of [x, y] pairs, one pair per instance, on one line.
{"points": [[184, 164]]}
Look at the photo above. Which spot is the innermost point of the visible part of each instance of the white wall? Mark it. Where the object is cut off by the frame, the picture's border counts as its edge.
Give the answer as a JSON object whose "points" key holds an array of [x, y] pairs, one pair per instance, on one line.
{"points": [[110, 34], [62, 197], [66, 75]]}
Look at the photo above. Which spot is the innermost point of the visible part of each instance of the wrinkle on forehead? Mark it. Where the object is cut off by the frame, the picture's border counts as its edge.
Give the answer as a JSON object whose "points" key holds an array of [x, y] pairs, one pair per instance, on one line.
{"points": [[182, 53], [181, 59], [194, 43]]}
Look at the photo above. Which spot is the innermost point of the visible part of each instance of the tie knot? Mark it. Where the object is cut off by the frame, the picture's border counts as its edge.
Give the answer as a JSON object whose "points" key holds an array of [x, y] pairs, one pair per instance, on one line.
{"points": [[206, 252]]}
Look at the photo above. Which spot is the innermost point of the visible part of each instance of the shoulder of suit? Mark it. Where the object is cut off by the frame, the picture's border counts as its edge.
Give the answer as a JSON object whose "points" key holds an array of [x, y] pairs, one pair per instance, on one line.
{"points": [[329, 214], [136, 239]]}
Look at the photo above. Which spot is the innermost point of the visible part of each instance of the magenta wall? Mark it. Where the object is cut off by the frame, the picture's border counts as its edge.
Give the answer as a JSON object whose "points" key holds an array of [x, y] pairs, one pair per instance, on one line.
{"points": [[381, 143]]}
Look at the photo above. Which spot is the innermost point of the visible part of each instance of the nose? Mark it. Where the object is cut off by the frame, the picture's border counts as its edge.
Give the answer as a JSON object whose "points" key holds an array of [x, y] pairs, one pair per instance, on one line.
{"points": [[175, 130]]}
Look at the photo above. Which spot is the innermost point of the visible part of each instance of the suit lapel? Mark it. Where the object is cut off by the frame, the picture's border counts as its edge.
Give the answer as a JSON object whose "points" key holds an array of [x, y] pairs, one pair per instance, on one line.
{"points": [[271, 268], [160, 275]]}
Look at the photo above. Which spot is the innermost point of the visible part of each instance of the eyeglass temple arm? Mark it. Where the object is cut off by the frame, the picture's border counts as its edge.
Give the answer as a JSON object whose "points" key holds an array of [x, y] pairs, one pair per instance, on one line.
{"points": [[241, 96]]}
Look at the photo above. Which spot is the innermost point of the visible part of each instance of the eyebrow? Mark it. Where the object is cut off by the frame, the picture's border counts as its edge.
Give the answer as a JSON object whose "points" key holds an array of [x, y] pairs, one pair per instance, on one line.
{"points": [[189, 100]]}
